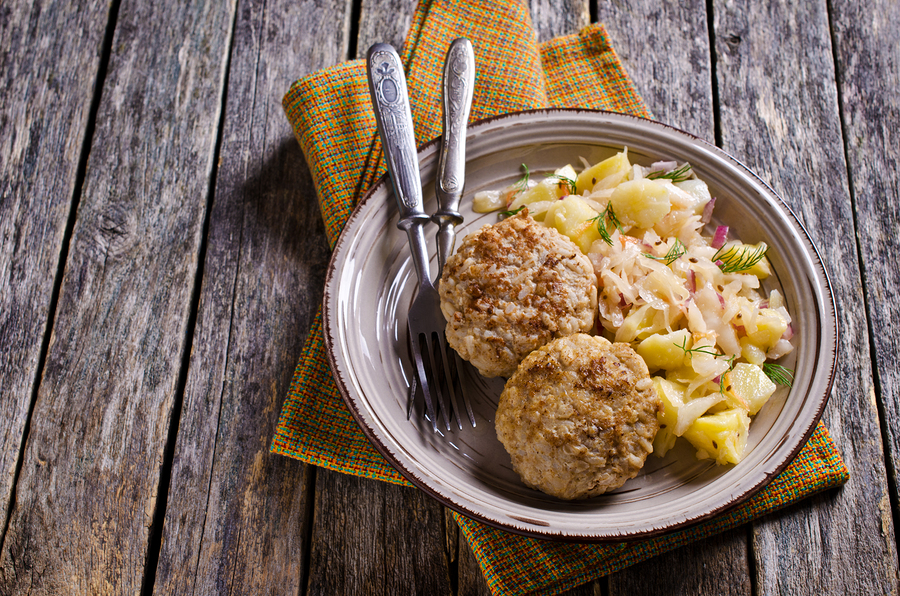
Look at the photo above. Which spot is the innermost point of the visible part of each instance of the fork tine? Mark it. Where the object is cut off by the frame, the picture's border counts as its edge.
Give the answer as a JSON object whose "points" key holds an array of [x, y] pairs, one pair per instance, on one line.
{"points": [[445, 360], [423, 379], [434, 355], [411, 394], [458, 366]]}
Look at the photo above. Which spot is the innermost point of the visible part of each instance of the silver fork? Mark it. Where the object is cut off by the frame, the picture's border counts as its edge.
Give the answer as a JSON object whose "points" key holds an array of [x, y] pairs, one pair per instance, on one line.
{"points": [[387, 86], [457, 89]]}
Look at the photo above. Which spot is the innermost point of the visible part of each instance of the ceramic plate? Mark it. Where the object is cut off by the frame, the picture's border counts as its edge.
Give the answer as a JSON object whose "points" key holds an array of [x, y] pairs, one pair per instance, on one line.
{"points": [[370, 285]]}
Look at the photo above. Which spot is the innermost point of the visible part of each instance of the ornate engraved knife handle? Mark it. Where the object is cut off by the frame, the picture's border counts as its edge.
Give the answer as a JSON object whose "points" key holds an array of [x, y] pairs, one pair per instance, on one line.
{"points": [[459, 82], [387, 86]]}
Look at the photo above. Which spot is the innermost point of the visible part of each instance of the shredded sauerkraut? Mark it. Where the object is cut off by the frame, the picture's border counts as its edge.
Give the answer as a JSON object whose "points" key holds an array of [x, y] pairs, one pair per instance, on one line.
{"points": [[690, 303]]}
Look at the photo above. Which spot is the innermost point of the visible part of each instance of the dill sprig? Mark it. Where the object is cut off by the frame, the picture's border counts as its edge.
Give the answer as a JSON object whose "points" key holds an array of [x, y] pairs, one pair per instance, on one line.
{"points": [[732, 259], [679, 174], [678, 249], [608, 216], [522, 184], [701, 350], [779, 374], [722, 376], [709, 352], [513, 212], [570, 184]]}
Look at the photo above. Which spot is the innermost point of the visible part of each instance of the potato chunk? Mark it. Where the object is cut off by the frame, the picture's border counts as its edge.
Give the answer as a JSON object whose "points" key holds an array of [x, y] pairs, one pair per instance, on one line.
{"points": [[640, 203], [606, 174], [573, 217], [721, 436], [664, 350], [749, 382]]}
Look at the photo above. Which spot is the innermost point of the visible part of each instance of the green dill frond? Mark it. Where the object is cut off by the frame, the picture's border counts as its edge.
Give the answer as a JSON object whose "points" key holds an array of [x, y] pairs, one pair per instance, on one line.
{"points": [[603, 220], [678, 249], [570, 184], [680, 174], [701, 350], [513, 212], [733, 259], [780, 375], [522, 184]]}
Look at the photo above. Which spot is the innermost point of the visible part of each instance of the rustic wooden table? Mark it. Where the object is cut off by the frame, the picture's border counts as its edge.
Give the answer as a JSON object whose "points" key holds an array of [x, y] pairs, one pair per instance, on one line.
{"points": [[162, 254]]}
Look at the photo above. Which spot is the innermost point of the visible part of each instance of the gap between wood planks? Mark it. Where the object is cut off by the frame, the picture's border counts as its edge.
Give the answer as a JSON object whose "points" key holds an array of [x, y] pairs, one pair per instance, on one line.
{"points": [[80, 174], [154, 538], [873, 348]]}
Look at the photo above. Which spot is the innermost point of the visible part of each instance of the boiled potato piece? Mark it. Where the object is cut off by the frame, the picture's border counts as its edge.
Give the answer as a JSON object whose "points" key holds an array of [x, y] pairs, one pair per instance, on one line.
{"points": [[749, 382], [548, 189], [606, 174], [751, 352], [721, 436], [573, 217], [640, 203], [770, 326], [664, 350], [672, 396]]}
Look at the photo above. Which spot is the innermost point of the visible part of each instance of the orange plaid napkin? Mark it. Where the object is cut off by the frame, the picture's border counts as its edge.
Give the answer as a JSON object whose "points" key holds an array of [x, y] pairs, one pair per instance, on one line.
{"points": [[333, 120]]}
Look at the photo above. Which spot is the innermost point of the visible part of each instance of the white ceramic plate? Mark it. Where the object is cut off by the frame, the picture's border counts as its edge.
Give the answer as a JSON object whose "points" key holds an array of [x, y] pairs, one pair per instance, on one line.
{"points": [[369, 288]]}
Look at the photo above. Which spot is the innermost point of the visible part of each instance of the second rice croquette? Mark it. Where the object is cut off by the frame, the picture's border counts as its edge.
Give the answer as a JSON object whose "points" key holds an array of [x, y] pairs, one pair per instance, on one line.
{"points": [[512, 287]]}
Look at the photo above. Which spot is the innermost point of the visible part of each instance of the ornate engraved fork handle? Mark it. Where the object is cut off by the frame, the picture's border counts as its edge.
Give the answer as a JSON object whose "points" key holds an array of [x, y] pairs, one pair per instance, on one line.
{"points": [[387, 86], [459, 82]]}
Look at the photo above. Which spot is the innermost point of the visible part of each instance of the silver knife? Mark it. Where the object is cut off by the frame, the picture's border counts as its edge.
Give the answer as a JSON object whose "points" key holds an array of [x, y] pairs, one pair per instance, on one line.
{"points": [[459, 81]]}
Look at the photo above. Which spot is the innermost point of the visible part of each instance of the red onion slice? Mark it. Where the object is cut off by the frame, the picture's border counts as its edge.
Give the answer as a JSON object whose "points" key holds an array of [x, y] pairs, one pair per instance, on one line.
{"points": [[720, 237]]}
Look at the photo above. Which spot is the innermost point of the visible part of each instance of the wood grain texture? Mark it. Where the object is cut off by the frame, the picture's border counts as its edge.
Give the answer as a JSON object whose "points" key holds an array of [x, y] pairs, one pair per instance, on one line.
{"points": [[553, 18], [664, 47], [373, 540], [236, 516], [383, 21], [779, 114], [867, 47], [716, 566], [49, 63], [87, 494]]}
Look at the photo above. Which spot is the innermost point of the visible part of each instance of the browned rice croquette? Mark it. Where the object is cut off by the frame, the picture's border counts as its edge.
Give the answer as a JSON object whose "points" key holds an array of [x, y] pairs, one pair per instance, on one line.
{"points": [[510, 288], [578, 417]]}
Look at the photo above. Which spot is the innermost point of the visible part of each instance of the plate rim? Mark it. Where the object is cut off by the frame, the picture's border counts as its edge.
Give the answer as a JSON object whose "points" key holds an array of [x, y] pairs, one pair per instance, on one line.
{"points": [[546, 532]]}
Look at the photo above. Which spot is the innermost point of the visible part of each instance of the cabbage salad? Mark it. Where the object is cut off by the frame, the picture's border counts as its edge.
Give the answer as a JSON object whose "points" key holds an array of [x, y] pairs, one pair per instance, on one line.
{"points": [[690, 304]]}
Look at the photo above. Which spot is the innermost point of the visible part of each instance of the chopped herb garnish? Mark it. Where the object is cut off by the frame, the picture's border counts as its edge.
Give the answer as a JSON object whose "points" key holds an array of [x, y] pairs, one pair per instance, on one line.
{"points": [[722, 376], [701, 350], [677, 175], [567, 181], [733, 259], [779, 374], [678, 249], [513, 212], [522, 184], [607, 217]]}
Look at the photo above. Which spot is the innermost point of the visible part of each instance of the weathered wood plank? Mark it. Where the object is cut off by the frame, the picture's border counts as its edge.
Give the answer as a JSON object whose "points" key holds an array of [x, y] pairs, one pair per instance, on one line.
{"points": [[87, 494], [49, 62], [552, 18], [779, 114], [383, 21], [236, 516], [867, 46], [716, 566], [664, 47], [375, 539]]}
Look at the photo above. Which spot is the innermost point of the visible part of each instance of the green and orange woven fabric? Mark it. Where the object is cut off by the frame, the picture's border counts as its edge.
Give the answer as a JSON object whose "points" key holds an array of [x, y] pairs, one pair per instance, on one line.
{"points": [[332, 118]]}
